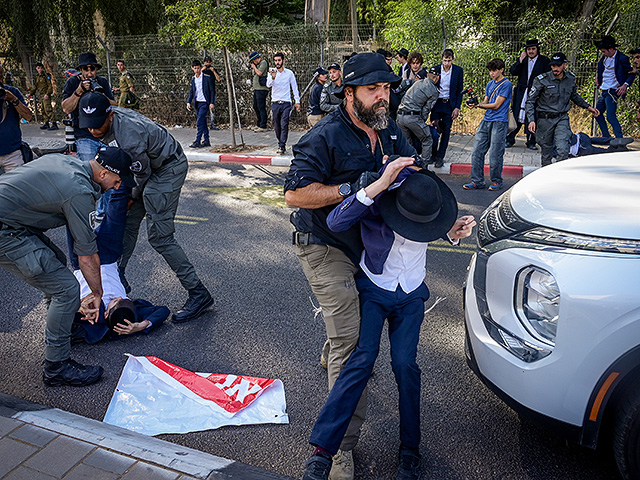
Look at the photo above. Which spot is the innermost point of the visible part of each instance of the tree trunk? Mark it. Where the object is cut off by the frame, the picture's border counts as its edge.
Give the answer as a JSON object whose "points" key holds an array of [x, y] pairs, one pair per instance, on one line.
{"points": [[227, 68], [354, 24], [235, 98]]}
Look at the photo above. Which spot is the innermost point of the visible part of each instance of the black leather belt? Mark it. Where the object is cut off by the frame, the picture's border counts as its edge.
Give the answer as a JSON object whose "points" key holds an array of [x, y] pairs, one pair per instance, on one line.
{"points": [[444, 100], [548, 115], [402, 112], [305, 238], [280, 102]]}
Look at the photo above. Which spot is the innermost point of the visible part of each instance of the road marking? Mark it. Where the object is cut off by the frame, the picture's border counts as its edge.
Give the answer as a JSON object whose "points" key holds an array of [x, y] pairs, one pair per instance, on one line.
{"points": [[197, 219]]}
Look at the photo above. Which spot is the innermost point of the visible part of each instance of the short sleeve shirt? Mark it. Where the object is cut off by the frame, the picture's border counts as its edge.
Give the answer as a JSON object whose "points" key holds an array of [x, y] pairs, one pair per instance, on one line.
{"points": [[69, 87], [10, 134], [263, 66], [505, 89]]}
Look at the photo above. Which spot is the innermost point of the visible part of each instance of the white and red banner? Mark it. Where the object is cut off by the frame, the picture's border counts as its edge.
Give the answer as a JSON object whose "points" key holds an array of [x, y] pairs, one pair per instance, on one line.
{"points": [[154, 397]]}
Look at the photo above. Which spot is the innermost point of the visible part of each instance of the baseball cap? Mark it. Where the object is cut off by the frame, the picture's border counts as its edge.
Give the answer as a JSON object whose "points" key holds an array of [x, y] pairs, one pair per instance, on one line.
{"points": [[368, 68], [208, 59], [558, 59], [254, 55], [116, 161], [335, 66], [320, 71], [93, 110]]}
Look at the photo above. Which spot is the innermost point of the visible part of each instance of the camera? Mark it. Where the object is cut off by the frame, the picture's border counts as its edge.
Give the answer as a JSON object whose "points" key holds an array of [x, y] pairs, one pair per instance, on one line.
{"points": [[95, 86], [67, 122], [272, 69], [3, 92], [473, 98]]}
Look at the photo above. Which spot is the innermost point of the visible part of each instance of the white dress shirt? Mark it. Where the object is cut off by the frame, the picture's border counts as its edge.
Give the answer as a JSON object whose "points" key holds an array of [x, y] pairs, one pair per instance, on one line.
{"points": [[609, 79], [282, 85], [445, 83], [111, 284], [199, 91]]}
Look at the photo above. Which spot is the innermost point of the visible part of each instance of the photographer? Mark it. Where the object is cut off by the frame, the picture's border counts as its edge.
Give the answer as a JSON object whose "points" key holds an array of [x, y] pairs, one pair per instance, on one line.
{"points": [[259, 66], [74, 89], [12, 106]]}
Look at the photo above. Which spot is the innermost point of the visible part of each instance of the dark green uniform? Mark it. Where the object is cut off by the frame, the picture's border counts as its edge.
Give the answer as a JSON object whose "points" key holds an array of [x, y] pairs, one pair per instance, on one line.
{"points": [[42, 85], [159, 166], [126, 82], [549, 102], [50, 192], [414, 110]]}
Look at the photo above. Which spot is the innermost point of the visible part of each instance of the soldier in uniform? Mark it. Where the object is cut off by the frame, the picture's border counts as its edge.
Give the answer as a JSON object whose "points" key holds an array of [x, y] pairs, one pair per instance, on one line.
{"points": [[159, 168], [125, 86], [42, 85], [415, 107], [50, 192], [549, 102]]}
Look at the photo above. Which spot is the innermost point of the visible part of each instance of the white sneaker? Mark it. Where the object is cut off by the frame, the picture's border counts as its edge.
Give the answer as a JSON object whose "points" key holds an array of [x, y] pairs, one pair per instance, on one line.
{"points": [[342, 468]]}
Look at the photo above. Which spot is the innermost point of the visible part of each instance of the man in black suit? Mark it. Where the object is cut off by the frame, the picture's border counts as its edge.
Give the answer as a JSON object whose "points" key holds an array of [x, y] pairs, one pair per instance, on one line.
{"points": [[527, 67], [202, 95], [447, 107]]}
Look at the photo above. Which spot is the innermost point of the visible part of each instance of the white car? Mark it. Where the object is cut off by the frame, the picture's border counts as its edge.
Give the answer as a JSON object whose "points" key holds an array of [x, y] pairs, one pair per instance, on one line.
{"points": [[552, 301]]}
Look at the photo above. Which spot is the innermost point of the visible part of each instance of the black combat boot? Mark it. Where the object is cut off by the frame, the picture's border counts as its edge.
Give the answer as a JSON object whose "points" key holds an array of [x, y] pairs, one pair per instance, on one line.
{"points": [[198, 302], [70, 372]]}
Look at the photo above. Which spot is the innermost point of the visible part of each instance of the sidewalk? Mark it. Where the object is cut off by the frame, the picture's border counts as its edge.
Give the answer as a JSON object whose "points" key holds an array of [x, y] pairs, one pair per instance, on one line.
{"points": [[42, 443], [518, 160]]}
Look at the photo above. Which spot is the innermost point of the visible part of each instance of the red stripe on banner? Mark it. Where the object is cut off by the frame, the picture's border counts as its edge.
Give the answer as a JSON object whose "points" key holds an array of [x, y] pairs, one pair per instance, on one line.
{"points": [[231, 392]]}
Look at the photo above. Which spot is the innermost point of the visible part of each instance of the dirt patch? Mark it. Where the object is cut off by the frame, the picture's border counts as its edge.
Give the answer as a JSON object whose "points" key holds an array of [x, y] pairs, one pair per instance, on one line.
{"points": [[236, 149]]}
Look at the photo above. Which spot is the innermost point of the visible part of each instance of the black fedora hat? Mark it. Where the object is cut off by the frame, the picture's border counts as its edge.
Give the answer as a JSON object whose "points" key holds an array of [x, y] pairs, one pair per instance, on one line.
{"points": [[123, 309], [422, 209], [532, 42], [366, 69], [88, 58], [607, 42]]}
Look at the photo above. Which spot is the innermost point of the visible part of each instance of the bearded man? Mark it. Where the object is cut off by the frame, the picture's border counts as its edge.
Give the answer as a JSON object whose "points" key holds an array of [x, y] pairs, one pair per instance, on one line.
{"points": [[333, 160]]}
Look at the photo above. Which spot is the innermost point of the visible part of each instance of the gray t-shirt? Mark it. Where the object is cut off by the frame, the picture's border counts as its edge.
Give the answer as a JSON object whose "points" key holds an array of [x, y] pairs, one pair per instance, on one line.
{"points": [[50, 192], [262, 66]]}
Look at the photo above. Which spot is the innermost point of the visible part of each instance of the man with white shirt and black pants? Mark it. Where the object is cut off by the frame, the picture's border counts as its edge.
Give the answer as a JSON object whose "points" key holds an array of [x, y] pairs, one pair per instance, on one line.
{"points": [[282, 81], [201, 93]]}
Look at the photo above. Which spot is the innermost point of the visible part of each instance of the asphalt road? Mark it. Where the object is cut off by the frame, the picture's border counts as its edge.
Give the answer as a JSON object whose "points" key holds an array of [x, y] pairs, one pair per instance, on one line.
{"points": [[239, 239]]}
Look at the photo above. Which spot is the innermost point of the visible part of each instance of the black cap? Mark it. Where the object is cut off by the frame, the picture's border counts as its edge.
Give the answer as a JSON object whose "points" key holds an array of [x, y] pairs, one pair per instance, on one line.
{"points": [[435, 70], [404, 52], [88, 58], [320, 71], [208, 59], [558, 59], [335, 66], [368, 68], [93, 110], [116, 161]]}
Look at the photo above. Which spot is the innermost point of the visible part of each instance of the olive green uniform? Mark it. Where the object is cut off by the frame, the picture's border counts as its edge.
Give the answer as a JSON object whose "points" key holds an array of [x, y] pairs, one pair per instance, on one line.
{"points": [[42, 85], [549, 102], [49, 192], [159, 166], [126, 82]]}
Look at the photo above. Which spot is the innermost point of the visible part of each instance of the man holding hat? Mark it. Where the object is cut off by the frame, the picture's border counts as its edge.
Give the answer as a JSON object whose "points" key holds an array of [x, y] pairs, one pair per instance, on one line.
{"points": [[526, 68], [415, 107], [614, 76], [159, 168], [329, 101], [259, 66], [314, 113], [395, 226], [50, 192], [332, 161], [549, 102]]}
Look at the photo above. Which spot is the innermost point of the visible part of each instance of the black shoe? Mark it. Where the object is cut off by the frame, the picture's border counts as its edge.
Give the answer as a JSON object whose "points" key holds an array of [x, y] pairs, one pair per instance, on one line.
{"points": [[621, 142], [532, 146], [44, 126], [198, 302], [318, 468], [70, 372], [195, 145], [409, 468], [439, 163], [213, 127], [54, 126], [281, 150], [205, 144]]}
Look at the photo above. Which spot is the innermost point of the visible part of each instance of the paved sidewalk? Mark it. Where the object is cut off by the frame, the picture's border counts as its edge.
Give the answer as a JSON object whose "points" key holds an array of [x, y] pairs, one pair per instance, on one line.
{"points": [[42, 443]]}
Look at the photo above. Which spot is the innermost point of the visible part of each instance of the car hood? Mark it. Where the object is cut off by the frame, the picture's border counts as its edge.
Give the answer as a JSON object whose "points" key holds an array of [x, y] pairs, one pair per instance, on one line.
{"points": [[595, 195]]}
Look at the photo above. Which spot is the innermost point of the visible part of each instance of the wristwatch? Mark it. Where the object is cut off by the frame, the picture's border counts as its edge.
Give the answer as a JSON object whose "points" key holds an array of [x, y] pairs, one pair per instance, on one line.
{"points": [[344, 189], [15, 102]]}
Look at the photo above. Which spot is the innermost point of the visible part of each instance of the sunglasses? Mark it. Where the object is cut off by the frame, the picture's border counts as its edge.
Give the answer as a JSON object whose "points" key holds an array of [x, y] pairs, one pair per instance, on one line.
{"points": [[88, 67]]}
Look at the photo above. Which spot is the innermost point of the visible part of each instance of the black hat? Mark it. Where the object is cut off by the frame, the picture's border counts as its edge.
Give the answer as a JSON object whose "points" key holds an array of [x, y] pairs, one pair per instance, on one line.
{"points": [[533, 42], [384, 53], [88, 58], [124, 309], [422, 209], [558, 59], [403, 52], [633, 52], [116, 161], [254, 55], [335, 66], [607, 42], [93, 109], [368, 68], [320, 71], [208, 59]]}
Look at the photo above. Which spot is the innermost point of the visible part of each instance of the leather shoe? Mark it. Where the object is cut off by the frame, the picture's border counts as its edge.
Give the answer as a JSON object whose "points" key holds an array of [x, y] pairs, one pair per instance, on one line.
{"points": [[70, 372], [54, 126], [205, 144], [198, 302], [44, 126], [195, 145], [439, 163]]}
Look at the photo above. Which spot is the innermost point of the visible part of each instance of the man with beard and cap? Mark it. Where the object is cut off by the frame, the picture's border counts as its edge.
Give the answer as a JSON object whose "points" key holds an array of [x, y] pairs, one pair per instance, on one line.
{"points": [[50, 192], [334, 159], [160, 168], [398, 215]]}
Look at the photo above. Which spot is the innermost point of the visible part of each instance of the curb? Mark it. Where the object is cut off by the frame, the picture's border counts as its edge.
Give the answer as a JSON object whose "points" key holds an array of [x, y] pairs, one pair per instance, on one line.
{"points": [[161, 453]]}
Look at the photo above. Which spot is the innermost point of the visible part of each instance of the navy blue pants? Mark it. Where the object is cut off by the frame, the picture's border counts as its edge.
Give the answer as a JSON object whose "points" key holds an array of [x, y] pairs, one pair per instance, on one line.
{"points": [[442, 110], [405, 313], [202, 112], [281, 113], [260, 106]]}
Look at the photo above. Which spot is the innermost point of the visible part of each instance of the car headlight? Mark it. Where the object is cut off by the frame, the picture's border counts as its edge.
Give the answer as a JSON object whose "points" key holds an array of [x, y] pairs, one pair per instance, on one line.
{"points": [[538, 302]]}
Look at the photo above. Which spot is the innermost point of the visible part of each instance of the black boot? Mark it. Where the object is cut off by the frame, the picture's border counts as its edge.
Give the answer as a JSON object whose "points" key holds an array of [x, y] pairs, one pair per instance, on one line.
{"points": [[70, 372], [198, 302], [44, 126]]}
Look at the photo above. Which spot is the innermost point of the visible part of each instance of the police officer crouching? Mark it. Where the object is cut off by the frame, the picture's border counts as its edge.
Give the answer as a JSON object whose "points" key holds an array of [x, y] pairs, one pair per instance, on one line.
{"points": [[159, 168]]}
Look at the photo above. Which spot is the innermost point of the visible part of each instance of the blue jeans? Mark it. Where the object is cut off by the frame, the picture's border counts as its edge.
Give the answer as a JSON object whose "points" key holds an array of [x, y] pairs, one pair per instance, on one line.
{"points": [[202, 111], [405, 313], [86, 149], [494, 135], [608, 102]]}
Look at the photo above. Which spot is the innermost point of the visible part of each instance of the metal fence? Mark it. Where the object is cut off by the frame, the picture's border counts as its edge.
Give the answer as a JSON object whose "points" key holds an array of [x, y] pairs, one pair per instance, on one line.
{"points": [[161, 65]]}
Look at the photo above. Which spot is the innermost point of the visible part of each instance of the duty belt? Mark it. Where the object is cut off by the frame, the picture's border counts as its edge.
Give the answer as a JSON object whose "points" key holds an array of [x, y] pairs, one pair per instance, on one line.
{"points": [[548, 115], [305, 238], [403, 112]]}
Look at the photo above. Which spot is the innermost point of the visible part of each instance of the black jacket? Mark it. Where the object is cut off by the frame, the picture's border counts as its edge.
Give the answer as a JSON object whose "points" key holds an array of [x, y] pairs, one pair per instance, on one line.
{"points": [[521, 70]]}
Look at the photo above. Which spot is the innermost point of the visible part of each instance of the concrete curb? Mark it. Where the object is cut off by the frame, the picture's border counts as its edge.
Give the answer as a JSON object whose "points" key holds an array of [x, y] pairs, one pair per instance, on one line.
{"points": [[158, 452]]}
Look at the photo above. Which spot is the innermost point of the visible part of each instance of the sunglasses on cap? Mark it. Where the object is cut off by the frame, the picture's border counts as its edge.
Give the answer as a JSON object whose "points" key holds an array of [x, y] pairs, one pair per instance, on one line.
{"points": [[88, 67]]}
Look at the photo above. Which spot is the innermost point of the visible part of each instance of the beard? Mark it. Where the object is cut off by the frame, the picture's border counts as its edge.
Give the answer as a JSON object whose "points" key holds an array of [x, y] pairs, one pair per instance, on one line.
{"points": [[371, 116]]}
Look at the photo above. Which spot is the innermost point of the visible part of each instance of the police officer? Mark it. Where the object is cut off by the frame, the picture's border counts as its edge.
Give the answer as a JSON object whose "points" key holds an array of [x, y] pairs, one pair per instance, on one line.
{"points": [[415, 107], [549, 102], [314, 113], [50, 192], [42, 85], [159, 168], [329, 101], [125, 87], [332, 161]]}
